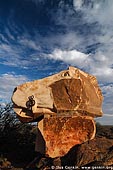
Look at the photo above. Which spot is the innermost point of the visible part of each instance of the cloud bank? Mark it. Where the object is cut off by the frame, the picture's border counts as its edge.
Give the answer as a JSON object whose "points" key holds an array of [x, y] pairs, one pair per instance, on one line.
{"points": [[98, 65], [54, 35], [7, 84]]}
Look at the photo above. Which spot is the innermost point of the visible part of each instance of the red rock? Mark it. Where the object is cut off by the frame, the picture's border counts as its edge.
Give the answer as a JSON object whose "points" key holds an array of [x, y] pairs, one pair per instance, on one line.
{"points": [[62, 133]]}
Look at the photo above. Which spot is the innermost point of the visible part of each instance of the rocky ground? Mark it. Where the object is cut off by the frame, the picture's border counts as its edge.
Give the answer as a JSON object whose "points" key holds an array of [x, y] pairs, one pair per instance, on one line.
{"points": [[94, 154]]}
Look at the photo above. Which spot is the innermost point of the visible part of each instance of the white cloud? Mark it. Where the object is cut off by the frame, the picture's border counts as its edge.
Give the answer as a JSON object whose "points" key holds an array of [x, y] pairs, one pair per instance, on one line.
{"points": [[96, 10], [7, 84], [99, 13], [16, 55], [69, 46], [108, 98], [28, 43], [78, 4], [105, 120], [108, 89], [68, 41], [72, 57], [107, 117], [98, 65]]}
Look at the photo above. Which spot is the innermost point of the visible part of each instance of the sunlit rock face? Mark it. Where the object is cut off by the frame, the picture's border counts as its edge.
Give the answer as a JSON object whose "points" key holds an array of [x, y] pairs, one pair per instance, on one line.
{"points": [[62, 133], [68, 100], [68, 91]]}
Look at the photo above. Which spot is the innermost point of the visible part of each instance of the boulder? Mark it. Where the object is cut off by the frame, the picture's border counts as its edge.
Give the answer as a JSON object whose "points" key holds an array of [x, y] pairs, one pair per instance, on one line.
{"points": [[94, 154], [70, 92], [68, 101], [62, 133], [98, 151]]}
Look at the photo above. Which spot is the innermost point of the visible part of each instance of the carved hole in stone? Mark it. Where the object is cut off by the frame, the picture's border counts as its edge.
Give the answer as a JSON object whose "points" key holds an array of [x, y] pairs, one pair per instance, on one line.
{"points": [[65, 74]]}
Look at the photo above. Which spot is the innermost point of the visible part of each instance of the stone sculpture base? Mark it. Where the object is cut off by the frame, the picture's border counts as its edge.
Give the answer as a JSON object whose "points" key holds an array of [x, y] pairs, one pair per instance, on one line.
{"points": [[62, 133]]}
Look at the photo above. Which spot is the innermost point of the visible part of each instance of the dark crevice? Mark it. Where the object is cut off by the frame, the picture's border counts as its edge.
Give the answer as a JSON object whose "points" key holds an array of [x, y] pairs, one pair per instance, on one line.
{"points": [[67, 91]]}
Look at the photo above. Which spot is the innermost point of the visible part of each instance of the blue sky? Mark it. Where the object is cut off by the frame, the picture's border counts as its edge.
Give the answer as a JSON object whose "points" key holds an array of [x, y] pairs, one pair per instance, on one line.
{"points": [[41, 37]]}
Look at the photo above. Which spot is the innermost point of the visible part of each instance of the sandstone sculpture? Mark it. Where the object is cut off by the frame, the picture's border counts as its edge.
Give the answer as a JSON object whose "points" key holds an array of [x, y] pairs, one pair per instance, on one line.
{"points": [[68, 101]]}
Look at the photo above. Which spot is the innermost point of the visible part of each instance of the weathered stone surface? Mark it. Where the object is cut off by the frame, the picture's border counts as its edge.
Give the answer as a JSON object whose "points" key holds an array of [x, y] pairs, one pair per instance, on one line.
{"points": [[62, 133], [98, 151], [94, 154], [71, 91], [72, 97]]}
